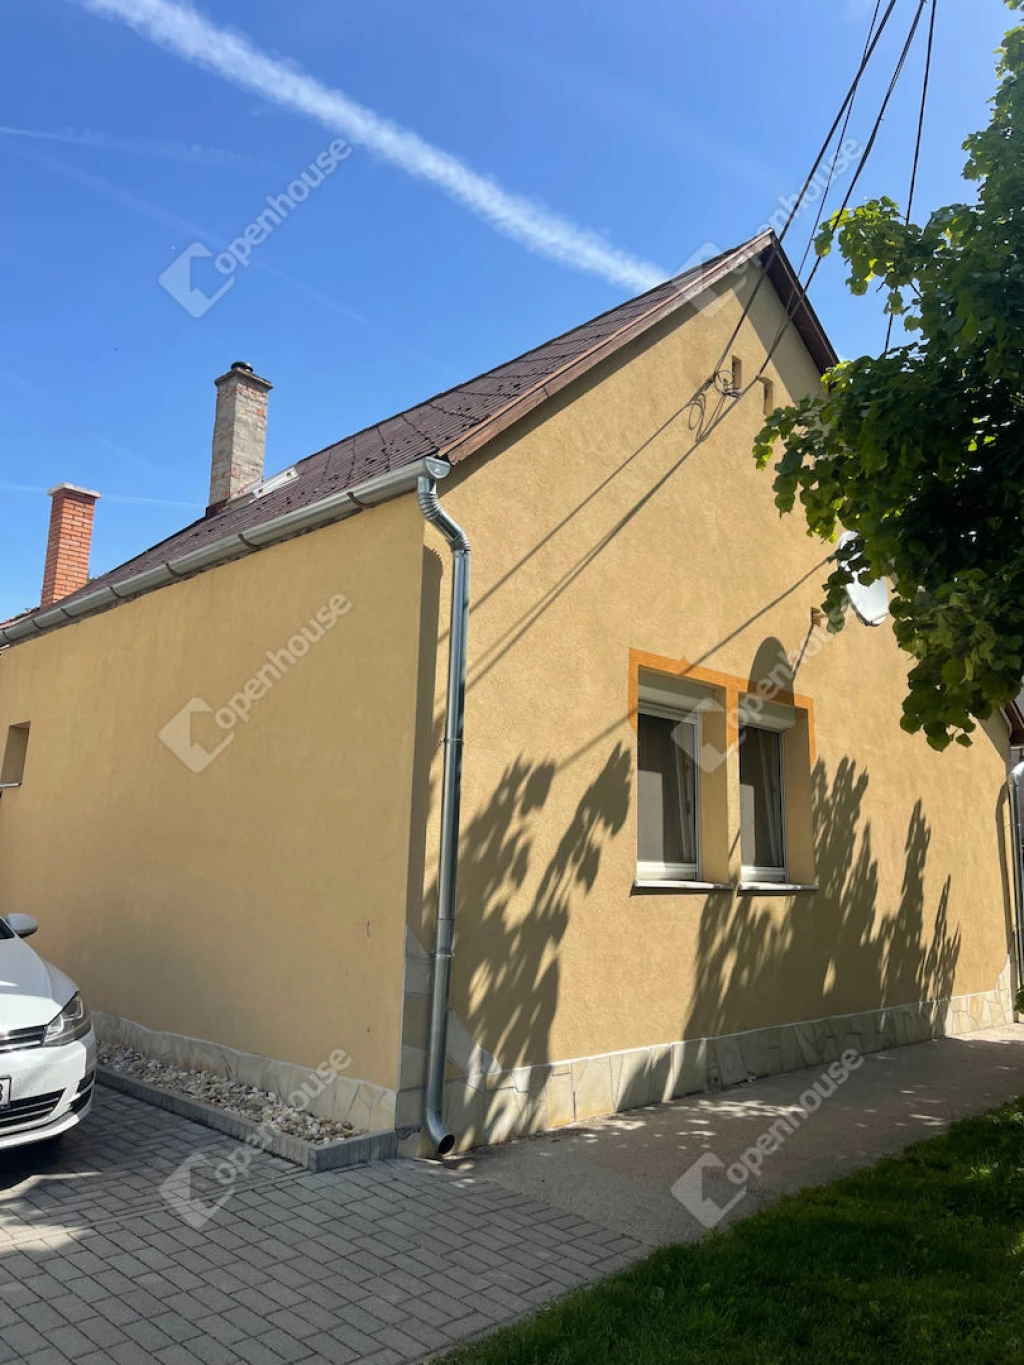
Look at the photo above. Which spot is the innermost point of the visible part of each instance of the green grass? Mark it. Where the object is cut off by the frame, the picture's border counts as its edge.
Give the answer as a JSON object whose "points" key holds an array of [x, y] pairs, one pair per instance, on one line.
{"points": [[917, 1259]]}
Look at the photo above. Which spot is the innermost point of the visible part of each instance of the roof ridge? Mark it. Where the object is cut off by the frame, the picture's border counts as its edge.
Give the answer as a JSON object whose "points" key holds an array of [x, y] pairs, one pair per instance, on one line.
{"points": [[546, 388], [703, 266], [463, 418]]}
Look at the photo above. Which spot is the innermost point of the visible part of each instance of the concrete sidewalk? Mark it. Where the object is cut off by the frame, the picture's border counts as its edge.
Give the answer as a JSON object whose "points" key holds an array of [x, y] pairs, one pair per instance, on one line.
{"points": [[620, 1171], [138, 1239], [132, 1242]]}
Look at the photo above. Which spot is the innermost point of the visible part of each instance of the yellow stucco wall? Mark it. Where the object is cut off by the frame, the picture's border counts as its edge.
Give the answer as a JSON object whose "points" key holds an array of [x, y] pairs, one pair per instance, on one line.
{"points": [[262, 902], [259, 903], [599, 528]]}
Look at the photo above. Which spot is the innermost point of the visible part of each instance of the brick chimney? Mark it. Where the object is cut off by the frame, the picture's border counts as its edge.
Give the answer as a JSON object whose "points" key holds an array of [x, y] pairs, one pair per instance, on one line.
{"points": [[67, 548], [239, 434]]}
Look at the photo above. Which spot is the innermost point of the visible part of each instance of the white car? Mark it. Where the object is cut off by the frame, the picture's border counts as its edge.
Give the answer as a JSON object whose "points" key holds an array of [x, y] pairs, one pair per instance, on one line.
{"points": [[47, 1043]]}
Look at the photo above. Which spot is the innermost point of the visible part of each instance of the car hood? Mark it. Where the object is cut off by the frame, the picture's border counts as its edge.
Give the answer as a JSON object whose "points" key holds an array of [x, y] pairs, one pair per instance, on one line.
{"points": [[32, 991]]}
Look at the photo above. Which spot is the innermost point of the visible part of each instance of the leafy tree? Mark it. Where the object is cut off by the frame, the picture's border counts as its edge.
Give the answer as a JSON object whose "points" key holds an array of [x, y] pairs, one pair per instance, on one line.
{"points": [[921, 451]]}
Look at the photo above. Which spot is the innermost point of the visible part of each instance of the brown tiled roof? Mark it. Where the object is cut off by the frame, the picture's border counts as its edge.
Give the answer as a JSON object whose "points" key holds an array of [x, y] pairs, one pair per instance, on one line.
{"points": [[459, 421]]}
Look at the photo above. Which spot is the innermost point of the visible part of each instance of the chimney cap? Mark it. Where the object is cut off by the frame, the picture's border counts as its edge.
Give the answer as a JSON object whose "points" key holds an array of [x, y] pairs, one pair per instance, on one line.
{"points": [[242, 367], [72, 488]]}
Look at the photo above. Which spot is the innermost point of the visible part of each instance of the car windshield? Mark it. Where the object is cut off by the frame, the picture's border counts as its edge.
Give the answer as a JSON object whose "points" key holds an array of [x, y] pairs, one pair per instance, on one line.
{"points": [[5, 930]]}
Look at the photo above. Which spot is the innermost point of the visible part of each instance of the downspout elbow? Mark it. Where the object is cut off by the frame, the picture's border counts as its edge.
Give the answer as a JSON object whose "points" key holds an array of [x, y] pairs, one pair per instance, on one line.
{"points": [[430, 505]]}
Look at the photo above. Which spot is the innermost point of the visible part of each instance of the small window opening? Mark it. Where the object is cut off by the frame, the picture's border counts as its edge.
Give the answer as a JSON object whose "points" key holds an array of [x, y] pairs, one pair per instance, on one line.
{"points": [[737, 375], [768, 385], [762, 806], [12, 772]]}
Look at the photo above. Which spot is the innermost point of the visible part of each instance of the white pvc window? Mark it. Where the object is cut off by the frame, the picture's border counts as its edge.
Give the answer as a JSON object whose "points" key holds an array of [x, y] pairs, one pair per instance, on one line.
{"points": [[762, 805], [668, 789]]}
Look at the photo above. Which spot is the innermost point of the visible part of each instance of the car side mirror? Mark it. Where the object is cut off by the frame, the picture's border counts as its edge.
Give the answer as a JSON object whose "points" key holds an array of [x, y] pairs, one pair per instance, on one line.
{"points": [[23, 925]]}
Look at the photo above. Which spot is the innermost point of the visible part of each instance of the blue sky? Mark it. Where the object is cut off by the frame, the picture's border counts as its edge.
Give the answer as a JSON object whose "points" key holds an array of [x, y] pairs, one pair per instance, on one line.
{"points": [[659, 127]]}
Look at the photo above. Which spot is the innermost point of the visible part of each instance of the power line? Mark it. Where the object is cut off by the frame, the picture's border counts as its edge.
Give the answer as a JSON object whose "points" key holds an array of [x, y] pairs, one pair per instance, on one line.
{"points": [[924, 101], [876, 129], [840, 141], [920, 131], [697, 401], [773, 251]]}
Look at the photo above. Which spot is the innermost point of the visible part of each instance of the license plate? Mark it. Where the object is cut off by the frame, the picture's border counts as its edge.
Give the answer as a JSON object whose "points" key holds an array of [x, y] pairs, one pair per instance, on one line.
{"points": [[5, 1092]]}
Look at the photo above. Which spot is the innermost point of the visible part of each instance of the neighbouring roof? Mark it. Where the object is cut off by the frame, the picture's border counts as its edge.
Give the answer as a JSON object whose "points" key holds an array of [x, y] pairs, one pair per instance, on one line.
{"points": [[458, 422], [1014, 713]]}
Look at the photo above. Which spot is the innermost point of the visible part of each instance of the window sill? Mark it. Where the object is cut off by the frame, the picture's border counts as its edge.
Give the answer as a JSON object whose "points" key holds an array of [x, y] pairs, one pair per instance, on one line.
{"points": [[8, 786], [775, 888], [644, 886]]}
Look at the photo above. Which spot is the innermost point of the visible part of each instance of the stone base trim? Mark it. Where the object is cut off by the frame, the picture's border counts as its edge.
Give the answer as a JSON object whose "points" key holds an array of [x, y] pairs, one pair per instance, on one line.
{"points": [[491, 1105], [369, 1108], [323, 1156]]}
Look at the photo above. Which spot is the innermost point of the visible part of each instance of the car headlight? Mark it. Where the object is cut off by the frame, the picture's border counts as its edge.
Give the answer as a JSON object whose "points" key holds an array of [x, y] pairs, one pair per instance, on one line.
{"points": [[72, 1022]]}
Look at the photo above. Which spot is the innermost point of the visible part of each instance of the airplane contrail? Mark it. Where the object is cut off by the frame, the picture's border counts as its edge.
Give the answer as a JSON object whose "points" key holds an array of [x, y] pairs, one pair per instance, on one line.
{"points": [[149, 147], [107, 497], [178, 225], [235, 57]]}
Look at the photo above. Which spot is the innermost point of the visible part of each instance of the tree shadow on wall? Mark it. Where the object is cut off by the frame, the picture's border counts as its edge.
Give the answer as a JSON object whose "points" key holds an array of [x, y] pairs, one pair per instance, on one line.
{"points": [[508, 940], [762, 963]]}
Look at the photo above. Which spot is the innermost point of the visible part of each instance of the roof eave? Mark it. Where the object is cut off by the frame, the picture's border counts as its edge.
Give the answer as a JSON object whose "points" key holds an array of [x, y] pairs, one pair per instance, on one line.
{"points": [[381, 488], [798, 305]]}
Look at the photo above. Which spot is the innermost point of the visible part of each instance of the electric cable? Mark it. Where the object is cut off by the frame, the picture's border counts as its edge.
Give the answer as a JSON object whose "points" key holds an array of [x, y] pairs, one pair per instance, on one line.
{"points": [[876, 129], [840, 143], [917, 145], [850, 94]]}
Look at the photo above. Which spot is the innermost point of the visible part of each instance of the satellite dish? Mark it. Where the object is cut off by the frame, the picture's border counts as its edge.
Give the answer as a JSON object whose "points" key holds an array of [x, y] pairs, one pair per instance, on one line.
{"points": [[869, 600]]}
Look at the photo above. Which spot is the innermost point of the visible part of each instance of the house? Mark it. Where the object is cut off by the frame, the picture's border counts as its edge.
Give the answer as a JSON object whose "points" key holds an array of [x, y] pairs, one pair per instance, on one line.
{"points": [[693, 843]]}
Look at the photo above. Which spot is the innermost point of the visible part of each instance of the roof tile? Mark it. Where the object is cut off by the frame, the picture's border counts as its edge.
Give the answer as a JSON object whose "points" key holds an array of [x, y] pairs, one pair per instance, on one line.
{"points": [[429, 427]]}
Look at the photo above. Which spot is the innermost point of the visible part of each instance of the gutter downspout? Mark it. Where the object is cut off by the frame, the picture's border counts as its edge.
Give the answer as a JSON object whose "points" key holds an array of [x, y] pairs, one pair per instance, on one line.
{"points": [[1016, 773], [451, 794]]}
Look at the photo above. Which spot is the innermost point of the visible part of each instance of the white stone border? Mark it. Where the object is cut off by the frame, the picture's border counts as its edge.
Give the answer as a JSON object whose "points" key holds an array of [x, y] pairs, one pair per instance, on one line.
{"points": [[357, 1150], [368, 1107]]}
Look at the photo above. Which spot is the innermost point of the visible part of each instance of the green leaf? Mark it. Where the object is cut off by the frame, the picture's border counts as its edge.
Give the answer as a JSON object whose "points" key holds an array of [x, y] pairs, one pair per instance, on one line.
{"points": [[921, 449]]}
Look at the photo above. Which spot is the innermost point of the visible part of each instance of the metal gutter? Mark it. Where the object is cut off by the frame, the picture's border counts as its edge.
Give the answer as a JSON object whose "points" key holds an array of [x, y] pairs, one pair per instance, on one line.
{"points": [[451, 798], [369, 493]]}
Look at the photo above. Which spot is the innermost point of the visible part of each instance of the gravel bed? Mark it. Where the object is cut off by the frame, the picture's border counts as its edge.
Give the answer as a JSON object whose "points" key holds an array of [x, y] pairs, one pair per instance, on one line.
{"points": [[262, 1106]]}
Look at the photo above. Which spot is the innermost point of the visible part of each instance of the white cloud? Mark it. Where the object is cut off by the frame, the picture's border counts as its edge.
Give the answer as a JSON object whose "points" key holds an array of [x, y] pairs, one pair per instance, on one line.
{"points": [[234, 57]]}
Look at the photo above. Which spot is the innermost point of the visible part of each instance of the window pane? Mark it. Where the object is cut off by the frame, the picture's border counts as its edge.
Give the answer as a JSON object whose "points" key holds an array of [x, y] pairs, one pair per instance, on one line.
{"points": [[762, 831], [666, 791]]}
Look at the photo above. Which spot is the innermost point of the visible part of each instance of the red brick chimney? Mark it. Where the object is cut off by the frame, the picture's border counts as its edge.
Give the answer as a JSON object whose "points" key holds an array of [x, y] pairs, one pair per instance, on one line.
{"points": [[239, 434], [67, 549]]}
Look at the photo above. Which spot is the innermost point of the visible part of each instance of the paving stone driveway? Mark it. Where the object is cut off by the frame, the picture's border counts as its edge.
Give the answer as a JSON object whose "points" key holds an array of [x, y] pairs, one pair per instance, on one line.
{"points": [[385, 1263]]}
